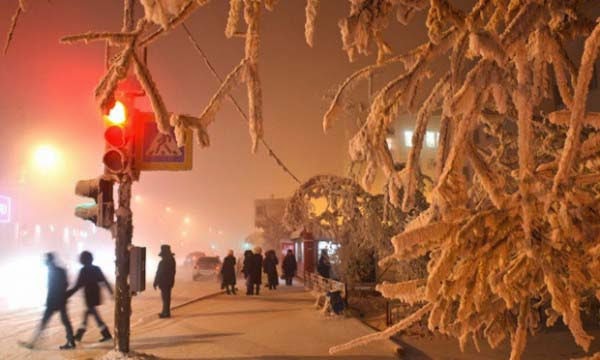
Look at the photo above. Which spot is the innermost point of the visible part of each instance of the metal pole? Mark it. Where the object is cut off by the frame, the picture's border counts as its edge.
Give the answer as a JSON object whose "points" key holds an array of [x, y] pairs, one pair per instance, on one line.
{"points": [[124, 234], [123, 243]]}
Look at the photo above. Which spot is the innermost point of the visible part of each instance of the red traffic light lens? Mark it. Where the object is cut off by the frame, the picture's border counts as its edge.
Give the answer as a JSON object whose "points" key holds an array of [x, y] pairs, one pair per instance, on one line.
{"points": [[115, 136], [114, 161], [117, 115]]}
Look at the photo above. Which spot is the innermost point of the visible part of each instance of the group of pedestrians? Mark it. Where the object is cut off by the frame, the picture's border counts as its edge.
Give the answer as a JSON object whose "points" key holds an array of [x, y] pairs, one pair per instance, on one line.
{"points": [[89, 279], [90, 276], [254, 264]]}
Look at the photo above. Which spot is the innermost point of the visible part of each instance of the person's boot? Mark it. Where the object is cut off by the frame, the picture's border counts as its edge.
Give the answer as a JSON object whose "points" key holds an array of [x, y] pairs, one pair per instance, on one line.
{"points": [[68, 346], [79, 334], [105, 335]]}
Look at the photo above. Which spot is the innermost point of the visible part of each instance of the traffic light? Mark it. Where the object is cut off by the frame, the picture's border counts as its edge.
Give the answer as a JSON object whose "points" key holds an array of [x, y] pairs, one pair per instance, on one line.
{"points": [[118, 137], [101, 211]]}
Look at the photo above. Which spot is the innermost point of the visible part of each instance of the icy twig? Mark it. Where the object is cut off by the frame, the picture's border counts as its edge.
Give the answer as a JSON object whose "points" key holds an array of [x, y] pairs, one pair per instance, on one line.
{"points": [[13, 26], [408, 321], [235, 9], [572, 143], [158, 105], [312, 7], [231, 80]]}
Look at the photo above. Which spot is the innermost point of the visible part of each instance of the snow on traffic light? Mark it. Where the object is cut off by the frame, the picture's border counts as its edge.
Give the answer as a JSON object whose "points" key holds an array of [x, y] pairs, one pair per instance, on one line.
{"points": [[101, 210]]}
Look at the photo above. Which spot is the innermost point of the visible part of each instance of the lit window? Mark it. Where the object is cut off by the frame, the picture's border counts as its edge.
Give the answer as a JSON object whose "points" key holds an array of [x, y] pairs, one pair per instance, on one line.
{"points": [[408, 138], [432, 139]]}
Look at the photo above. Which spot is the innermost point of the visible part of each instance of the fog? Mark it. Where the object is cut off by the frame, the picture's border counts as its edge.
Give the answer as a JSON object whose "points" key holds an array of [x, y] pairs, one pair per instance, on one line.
{"points": [[47, 99]]}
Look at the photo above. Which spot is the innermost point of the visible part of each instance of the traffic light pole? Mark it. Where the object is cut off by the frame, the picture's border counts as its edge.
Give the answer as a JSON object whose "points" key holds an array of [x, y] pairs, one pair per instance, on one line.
{"points": [[123, 239], [124, 235]]}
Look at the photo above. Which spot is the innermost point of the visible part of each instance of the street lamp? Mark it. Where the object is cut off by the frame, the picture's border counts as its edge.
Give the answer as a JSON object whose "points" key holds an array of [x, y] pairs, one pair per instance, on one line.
{"points": [[46, 158]]}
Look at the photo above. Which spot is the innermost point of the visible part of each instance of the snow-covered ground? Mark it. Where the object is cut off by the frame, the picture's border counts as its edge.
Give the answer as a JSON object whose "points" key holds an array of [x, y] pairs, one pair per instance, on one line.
{"points": [[20, 324], [281, 324]]}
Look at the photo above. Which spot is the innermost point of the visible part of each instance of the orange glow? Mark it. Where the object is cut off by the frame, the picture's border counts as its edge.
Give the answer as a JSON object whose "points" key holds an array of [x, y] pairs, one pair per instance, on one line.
{"points": [[117, 114]]}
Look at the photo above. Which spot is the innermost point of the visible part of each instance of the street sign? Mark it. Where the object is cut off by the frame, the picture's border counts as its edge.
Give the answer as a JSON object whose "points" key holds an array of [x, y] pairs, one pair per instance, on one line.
{"points": [[4, 209], [157, 151]]}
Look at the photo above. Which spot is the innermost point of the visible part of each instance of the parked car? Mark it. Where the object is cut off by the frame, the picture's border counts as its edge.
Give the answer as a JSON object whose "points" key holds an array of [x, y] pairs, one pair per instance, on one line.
{"points": [[206, 266], [192, 257]]}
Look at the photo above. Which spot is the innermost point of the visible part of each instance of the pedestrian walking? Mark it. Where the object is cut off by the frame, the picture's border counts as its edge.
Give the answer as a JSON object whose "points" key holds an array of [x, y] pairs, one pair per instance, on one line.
{"points": [[165, 279], [56, 301], [324, 265], [270, 268], [290, 266], [254, 272], [90, 276], [228, 273]]}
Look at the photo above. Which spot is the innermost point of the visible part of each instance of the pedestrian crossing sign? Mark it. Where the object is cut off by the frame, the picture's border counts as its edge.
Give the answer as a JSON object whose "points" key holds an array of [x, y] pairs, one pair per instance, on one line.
{"points": [[158, 151]]}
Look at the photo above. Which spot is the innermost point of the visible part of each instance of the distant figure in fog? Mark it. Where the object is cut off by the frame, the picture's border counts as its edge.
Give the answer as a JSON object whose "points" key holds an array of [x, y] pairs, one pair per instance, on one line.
{"points": [[247, 261], [270, 268], [228, 273], [324, 265], [254, 272], [165, 279], [56, 300], [89, 278], [289, 267]]}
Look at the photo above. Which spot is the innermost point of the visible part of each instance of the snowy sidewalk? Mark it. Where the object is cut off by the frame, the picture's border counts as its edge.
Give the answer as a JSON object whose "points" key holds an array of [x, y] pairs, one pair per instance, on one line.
{"points": [[281, 324]]}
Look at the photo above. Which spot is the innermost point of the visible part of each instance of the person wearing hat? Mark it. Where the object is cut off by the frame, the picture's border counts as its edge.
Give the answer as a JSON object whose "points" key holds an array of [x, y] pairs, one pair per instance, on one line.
{"points": [[89, 277], [165, 279]]}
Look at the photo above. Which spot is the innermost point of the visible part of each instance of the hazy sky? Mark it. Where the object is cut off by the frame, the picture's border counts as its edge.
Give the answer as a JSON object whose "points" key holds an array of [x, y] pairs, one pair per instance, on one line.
{"points": [[46, 97]]}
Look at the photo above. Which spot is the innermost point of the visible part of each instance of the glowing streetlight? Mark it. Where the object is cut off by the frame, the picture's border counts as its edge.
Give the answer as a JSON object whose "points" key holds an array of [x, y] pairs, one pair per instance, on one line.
{"points": [[45, 158], [187, 220]]}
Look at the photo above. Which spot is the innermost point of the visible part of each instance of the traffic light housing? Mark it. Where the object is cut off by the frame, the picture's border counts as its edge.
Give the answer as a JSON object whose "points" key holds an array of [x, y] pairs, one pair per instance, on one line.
{"points": [[119, 137], [101, 211], [137, 269]]}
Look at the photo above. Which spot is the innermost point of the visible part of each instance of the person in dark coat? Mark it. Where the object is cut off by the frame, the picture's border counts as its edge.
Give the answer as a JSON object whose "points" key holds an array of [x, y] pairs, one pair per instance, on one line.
{"points": [[89, 278], [165, 279], [56, 301], [254, 272], [228, 273], [270, 268], [324, 265], [290, 266], [247, 261]]}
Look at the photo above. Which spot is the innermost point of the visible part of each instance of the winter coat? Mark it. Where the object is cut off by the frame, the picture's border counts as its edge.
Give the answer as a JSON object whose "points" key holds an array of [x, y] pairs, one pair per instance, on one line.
{"points": [[247, 263], [89, 277], [165, 274], [255, 269], [57, 288], [228, 270], [270, 266], [324, 267], [289, 266]]}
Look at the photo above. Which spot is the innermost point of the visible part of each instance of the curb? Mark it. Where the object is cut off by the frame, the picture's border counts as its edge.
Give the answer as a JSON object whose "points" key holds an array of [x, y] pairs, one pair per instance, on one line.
{"points": [[208, 296]]}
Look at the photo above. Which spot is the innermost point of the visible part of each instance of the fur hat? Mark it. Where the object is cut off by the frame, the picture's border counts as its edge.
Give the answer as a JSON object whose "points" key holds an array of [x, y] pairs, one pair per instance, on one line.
{"points": [[165, 250]]}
